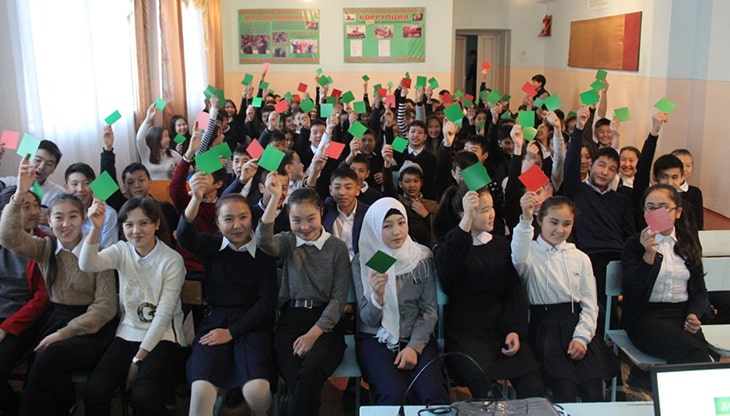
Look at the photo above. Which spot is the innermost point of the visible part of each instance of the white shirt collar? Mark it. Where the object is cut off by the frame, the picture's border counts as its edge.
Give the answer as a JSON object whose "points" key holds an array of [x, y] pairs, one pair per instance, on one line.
{"points": [[415, 152], [684, 187], [545, 245], [481, 239], [350, 217], [626, 181], [249, 247], [365, 187], [319, 243], [671, 238], [595, 188], [76, 251], [149, 258]]}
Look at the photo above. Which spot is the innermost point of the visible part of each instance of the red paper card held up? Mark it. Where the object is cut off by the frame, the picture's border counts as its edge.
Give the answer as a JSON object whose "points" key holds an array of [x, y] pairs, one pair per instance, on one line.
{"points": [[469, 97], [486, 65], [254, 149], [296, 98], [406, 82], [534, 178], [281, 106], [446, 98], [266, 66], [382, 92], [390, 100], [336, 93], [659, 220], [334, 150], [202, 120], [10, 139], [302, 87], [529, 89]]}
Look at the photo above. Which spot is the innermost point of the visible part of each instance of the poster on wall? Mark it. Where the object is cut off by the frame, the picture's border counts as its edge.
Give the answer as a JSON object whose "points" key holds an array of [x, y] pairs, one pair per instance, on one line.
{"points": [[385, 34], [610, 42], [287, 36]]}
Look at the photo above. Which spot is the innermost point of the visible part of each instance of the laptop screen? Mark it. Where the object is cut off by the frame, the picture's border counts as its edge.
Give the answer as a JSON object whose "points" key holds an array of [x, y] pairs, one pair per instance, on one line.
{"points": [[691, 389]]}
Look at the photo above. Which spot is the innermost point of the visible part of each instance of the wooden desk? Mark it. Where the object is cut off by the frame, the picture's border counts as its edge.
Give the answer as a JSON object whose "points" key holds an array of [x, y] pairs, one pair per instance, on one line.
{"points": [[572, 409]]}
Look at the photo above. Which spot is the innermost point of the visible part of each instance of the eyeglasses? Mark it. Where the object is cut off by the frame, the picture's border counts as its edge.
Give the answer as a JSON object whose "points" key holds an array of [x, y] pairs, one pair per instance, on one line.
{"points": [[651, 208]]}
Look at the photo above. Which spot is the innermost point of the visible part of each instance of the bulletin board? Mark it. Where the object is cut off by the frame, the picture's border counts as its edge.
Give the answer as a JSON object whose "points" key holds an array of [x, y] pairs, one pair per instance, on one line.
{"points": [[289, 36], [607, 43], [385, 34]]}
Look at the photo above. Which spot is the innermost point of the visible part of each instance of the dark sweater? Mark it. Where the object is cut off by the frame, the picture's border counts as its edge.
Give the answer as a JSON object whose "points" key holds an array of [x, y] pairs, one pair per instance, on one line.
{"points": [[694, 197]]}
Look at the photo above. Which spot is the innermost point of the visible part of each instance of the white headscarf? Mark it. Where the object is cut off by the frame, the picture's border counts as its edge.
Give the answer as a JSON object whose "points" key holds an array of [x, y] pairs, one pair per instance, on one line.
{"points": [[407, 258]]}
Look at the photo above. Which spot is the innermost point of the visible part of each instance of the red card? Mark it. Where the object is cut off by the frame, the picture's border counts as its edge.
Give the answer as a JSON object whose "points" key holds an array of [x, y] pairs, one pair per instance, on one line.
{"points": [[302, 87], [446, 98], [529, 89], [296, 98], [534, 178], [202, 120], [390, 101], [336, 93], [486, 65], [281, 106], [334, 150], [659, 220], [406, 82], [469, 97], [10, 139], [254, 149], [266, 66], [382, 92]]}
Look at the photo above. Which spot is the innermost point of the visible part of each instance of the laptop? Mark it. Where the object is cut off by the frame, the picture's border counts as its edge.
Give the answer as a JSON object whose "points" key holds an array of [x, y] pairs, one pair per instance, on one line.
{"points": [[691, 389]]}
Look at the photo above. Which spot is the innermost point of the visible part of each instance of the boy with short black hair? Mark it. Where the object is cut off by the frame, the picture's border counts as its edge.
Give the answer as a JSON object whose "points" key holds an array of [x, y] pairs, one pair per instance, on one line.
{"points": [[360, 164], [78, 176], [45, 162], [343, 213], [691, 193]]}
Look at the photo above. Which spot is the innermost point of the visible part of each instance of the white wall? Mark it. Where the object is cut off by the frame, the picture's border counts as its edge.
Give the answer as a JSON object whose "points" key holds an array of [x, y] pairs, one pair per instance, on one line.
{"points": [[11, 114]]}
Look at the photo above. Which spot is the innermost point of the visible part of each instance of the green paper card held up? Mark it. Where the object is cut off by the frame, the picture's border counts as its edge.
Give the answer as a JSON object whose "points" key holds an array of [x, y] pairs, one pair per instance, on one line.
{"points": [[325, 110], [506, 115], [331, 100], [454, 112], [597, 85], [160, 103], [319, 71], [288, 96], [458, 94], [209, 161], [307, 105], [468, 103], [179, 139], [420, 81], [571, 114], [481, 124], [622, 114], [247, 79], [399, 144], [529, 133], [664, 105], [37, 190], [112, 118], [347, 97], [390, 84], [494, 97], [552, 102], [357, 129], [538, 103], [223, 150], [476, 177], [28, 146], [271, 158], [601, 74], [433, 82], [526, 118], [104, 186], [264, 85], [358, 107], [589, 97], [366, 78], [256, 102], [506, 97], [380, 262]]}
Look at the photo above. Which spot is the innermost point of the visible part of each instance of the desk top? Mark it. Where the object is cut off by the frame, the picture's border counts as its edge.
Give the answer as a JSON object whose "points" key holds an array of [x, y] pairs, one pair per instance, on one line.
{"points": [[718, 336], [572, 409]]}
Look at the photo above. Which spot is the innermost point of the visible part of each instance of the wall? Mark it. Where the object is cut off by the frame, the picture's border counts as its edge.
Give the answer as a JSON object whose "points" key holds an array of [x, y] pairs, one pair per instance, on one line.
{"points": [[347, 76]]}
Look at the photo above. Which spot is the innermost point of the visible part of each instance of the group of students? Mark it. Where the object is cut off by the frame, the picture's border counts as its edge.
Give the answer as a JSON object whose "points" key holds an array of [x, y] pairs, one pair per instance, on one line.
{"points": [[277, 253]]}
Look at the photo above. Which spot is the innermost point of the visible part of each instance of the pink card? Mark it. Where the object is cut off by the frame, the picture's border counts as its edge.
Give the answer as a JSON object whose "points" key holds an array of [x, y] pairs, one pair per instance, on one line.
{"points": [[302, 87], [390, 100], [254, 149], [202, 120], [382, 92], [266, 66], [659, 220], [406, 82], [446, 98], [281, 106], [336, 93], [529, 89], [534, 178], [10, 139], [486, 65], [334, 150]]}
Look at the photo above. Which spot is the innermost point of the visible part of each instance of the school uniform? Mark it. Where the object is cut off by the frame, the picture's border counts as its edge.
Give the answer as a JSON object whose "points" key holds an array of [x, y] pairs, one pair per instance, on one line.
{"points": [[346, 228]]}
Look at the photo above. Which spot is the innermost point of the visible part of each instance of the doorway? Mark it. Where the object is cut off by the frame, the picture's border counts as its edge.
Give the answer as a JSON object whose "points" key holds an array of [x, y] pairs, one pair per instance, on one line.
{"points": [[489, 45]]}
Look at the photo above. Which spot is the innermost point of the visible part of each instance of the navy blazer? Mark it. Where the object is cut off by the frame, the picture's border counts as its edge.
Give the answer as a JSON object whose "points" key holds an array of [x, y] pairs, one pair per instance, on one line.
{"points": [[331, 213]]}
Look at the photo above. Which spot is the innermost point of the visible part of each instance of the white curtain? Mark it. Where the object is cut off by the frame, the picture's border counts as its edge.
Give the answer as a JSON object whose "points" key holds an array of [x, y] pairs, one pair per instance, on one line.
{"points": [[196, 70], [76, 68]]}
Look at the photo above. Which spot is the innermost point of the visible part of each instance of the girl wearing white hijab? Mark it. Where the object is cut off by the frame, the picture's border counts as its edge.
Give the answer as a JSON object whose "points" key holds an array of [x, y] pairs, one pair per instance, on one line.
{"points": [[397, 311]]}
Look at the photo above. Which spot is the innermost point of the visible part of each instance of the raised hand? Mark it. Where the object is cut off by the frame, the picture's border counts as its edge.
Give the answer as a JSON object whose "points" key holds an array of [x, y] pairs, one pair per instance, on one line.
{"points": [[151, 113], [657, 122], [449, 131], [378, 282], [387, 154], [582, 116], [108, 136], [199, 184], [518, 138], [97, 213], [527, 203]]}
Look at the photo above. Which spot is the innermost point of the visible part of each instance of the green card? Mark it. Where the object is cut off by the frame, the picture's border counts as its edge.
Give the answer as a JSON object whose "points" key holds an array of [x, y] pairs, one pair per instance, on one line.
{"points": [[506, 97], [256, 102], [179, 139], [476, 100], [420, 81], [483, 94], [359, 107], [538, 103], [458, 94], [433, 82], [347, 97], [459, 123], [329, 80], [37, 190], [307, 105], [112, 118], [366, 78], [103, 186], [322, 80], [552, 102], [622, 114], [264, 85], [271, 158], [223, 150], [454, 112], [494, 97], [271, 91], [160, 103], [597, 85], [331, 100], [319, 71], [390, 84], [529, 133], [377, 87], [208, 162], [399, 144], [481, 124], [357, 129], [325, 110], [288, 96], [28, 146], [601, 75], [506, 115], [476, 177], [468, 103], [571, 114], [247, 79], [664, 105], [589, 97], [526, 118], [381, 262], [408, 75]]}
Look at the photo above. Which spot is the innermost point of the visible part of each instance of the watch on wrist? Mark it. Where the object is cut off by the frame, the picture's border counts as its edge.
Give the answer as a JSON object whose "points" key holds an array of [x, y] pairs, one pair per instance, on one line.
{"points": [[137, 361]]}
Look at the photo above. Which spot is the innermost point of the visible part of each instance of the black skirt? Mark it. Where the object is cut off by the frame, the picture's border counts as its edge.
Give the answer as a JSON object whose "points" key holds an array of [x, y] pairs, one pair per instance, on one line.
{"points": [[551, 331]]}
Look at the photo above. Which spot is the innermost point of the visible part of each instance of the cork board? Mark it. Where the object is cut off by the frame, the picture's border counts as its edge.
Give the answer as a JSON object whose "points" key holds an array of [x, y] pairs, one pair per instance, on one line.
{"points": [[606, 43]]}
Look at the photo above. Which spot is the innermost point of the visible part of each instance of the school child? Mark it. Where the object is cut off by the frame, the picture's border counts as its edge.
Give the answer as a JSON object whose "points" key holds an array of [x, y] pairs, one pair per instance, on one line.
{"points": [[234, 345], [343, 212], [688, 192], [142, 356], [397, 310], [80, 324], [487, 315], [563, 306], [153, 145], [316, 275]]}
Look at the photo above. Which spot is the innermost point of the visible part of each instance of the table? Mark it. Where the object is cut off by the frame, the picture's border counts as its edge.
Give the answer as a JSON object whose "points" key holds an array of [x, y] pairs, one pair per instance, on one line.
{"points": [[718, 336], [572, 409]]}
